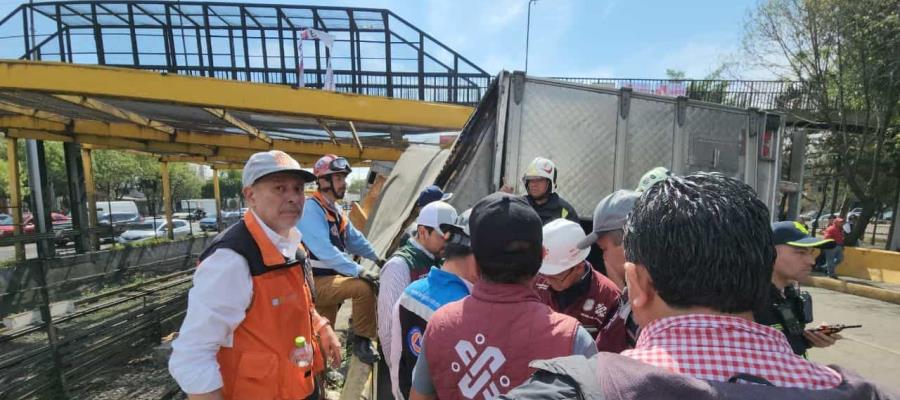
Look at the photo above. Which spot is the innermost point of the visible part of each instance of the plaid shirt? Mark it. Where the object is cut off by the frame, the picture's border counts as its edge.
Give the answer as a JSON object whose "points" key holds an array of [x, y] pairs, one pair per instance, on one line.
{"points": [[716, 347]]}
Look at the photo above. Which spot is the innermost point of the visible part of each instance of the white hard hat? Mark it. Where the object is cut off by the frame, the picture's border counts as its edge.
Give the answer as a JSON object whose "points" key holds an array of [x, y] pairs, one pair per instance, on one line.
{"points": [[541, 168], [561, 251]]}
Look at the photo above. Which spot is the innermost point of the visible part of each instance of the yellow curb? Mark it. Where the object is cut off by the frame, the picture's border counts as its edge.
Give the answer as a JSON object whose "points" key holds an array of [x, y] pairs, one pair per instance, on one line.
{"points": [[855, 289]]}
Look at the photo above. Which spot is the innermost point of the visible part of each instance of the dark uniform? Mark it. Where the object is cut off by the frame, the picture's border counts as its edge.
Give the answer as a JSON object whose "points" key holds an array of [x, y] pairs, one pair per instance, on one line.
{"points": [[789, 313], [554, 208]]}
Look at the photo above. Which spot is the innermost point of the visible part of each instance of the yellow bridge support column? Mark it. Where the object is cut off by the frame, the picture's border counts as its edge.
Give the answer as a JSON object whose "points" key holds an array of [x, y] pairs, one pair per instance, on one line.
{"points": [[167, 199], [218, 197], [15, 193], [90, 193]]}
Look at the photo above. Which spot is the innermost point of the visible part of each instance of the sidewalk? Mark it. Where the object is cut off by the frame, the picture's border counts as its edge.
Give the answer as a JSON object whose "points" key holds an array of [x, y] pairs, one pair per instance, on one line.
{"points": [[889, 292]]}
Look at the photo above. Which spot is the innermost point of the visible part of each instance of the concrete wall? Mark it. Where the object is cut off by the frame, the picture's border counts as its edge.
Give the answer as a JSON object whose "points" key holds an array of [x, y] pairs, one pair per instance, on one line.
{"points": [[870, 264], [69, 277]]}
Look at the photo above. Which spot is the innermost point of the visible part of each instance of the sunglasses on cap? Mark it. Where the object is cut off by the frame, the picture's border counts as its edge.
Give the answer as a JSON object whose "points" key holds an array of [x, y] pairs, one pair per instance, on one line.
{"points": [[339, 164]]}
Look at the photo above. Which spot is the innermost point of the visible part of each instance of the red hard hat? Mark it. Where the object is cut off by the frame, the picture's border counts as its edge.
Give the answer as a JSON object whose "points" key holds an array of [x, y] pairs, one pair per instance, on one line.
{"points": [[331, 164]]}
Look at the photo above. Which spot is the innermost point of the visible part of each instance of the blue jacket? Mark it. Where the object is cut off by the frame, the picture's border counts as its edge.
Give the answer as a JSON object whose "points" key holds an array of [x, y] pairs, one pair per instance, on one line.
{"points": [[314, 228]]}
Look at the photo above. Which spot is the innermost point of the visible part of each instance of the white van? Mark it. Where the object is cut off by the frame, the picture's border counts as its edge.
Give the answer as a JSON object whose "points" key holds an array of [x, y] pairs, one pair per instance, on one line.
{"points": [[117, 207]]}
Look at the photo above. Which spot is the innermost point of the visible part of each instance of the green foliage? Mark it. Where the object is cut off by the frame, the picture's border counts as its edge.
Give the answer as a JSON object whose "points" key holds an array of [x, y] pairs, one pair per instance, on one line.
{"points": [[675, 74], [229, 186], [356, 186], [844, 53]]}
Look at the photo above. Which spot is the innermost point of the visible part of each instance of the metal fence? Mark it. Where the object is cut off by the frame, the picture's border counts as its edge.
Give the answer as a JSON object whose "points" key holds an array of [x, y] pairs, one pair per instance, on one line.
{"points": [[767, 95]]}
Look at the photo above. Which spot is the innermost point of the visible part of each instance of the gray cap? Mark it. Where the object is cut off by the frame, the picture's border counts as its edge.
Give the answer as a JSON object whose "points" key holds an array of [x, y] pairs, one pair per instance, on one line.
{"points": [[270, 162], [610, 214]]}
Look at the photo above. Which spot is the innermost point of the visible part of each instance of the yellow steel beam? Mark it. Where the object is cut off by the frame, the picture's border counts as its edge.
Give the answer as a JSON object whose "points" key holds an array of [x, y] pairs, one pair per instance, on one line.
{"points": [[117, 112], [89, 188], [37, 135], [226, 166], [238, 123], [15, 193], [328, 130], [355, 136], [124, 83], [31, 112], [135, 132]]}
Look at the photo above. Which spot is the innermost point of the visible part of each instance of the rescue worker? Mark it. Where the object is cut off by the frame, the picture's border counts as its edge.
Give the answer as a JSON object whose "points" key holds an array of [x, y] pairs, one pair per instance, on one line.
{"points": [[621, 331], [328, 234], [569, 284], [429, 194], [443, 284], [788, 309], [540, 184], [251, 298], [482, 345], [700, 254], [410, 262]]}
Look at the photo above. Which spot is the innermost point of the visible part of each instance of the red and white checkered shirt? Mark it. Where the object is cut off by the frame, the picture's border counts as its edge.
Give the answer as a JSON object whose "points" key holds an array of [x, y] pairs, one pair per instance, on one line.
{"points": [[716, 347]]}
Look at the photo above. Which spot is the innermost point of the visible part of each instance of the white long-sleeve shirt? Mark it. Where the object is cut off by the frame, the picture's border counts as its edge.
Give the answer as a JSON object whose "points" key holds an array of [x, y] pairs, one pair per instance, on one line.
{"points": [[217, 304], [394, 278]]}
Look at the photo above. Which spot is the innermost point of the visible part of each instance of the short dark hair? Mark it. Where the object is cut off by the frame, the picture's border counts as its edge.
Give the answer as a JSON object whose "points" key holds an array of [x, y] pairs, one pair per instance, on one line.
{"points": [[453, 250], [705, 240], [503, 272]]}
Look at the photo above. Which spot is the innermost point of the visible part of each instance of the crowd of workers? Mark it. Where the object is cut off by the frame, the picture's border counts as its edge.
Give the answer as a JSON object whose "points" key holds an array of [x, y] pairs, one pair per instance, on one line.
{"points": [[697, 296]]}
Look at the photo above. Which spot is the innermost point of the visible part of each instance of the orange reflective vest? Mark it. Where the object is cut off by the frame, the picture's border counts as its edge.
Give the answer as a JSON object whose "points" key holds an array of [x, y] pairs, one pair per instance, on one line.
{"points": [[258, 365], [337, 223]]}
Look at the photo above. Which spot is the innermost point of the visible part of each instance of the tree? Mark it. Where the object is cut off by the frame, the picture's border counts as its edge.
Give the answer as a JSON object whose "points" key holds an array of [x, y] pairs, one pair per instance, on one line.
{"points": [[185, 182], [356, 186], [675, 74], [229, 186], [845, 55], [117, 172]]}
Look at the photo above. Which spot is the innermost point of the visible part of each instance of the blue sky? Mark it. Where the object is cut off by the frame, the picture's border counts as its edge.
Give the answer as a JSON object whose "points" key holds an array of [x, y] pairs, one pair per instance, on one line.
{"points": [[588, 38]]}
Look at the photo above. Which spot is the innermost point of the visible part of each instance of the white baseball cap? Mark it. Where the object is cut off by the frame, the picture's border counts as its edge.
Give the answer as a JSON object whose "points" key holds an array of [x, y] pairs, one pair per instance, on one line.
{"points": [[435, 214], [270, 162], [561, 251]]}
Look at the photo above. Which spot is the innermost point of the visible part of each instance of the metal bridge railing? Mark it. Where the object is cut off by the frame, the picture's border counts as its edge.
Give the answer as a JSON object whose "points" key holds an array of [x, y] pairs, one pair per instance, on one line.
{"points": [[739, 93]]}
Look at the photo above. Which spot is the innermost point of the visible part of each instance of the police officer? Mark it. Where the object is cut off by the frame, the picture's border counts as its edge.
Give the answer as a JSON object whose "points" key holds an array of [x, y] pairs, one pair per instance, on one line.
{"points": [[540, 184], [790, 310]]}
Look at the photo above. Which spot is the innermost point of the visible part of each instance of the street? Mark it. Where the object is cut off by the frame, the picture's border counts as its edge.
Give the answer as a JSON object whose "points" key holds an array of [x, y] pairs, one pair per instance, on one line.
{"points": [[8, 253], [872, 351]]}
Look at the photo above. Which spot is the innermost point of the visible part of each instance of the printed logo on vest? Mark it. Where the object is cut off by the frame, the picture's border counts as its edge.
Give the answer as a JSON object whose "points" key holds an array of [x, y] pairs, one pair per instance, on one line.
{"points": [[480, 368], [588, 305], [414, 337]]}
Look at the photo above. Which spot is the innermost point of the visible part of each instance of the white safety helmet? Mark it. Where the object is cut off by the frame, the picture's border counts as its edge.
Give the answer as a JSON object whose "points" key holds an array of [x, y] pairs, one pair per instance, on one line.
{"points": [[561, 251], [541, 168]]}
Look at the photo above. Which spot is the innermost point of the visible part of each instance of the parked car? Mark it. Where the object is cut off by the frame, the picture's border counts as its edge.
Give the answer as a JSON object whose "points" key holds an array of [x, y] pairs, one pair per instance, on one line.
{"points": [[6, 225], [149, 229], [228, 219], [121, 222]]}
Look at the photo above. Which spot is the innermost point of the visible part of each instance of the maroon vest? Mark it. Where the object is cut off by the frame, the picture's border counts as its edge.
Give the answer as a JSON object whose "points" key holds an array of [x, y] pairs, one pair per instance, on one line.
{"points": [[479, 347], [593, 309]]}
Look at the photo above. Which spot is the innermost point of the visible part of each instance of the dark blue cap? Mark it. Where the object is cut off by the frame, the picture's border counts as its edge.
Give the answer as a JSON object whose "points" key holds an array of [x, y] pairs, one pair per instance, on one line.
{"points": [[431, 194]]}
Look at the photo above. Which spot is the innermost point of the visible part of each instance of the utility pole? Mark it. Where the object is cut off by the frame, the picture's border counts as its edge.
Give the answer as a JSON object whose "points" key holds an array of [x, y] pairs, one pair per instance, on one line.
{"points": [[528, 32]]}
